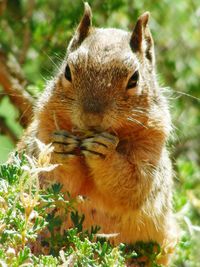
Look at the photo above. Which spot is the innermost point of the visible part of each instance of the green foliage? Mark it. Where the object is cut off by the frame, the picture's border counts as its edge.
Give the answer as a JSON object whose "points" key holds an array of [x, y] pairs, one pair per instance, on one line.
{"points": [[187, 206], [29, 221]]}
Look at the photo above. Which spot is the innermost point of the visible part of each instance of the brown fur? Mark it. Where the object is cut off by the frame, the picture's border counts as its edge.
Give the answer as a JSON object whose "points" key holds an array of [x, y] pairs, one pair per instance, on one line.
{"points": [[129, 187]]}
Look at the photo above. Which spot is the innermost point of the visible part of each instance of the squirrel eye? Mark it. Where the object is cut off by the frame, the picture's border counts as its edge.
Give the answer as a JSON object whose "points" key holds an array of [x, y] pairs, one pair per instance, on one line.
{"points": [[68, 73], [133, 81]]}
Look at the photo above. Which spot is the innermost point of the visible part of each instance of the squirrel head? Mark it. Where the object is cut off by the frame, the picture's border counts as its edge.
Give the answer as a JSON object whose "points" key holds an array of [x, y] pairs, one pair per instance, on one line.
{"points": [[108, 75]]}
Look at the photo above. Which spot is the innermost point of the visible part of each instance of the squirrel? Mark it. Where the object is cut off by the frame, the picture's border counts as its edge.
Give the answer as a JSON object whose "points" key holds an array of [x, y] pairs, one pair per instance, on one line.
{"points": [[109, 122]]}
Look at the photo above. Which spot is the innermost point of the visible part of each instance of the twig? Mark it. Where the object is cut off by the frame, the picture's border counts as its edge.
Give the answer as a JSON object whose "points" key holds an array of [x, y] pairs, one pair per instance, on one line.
{"points": [[2, 6], [5, 129], [27, 31], [14, 88]]}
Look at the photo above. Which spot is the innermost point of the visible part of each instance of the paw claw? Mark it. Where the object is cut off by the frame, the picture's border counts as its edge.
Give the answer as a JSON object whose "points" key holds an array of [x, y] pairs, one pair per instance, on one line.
{"points": [[62, 158], [65, 146], [91, 153], [100, 145], [64, 137]]}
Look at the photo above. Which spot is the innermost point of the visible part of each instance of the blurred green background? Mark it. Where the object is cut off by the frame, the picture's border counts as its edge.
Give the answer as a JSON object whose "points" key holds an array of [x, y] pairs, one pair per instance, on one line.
{"points": [[33, 39]]}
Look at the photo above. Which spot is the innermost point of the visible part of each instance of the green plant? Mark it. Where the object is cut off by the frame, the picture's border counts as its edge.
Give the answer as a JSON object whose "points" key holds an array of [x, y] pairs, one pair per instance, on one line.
{"points": [[32, 220]]}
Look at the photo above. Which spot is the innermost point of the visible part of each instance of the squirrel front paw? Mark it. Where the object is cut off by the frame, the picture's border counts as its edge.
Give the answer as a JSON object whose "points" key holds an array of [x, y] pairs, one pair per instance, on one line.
{"points": [[100, 145], [66, 146]]}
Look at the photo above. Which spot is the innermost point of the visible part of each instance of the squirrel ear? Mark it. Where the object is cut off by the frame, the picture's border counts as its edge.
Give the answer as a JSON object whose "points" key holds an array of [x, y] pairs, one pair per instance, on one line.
{"points": [[83, 28], [141, 39], [85, 24]]}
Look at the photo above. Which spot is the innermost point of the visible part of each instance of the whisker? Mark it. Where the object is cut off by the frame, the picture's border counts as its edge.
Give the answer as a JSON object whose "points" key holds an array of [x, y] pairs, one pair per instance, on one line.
{"points": [[114, 131], [137, 122], [139, 110], [67, 100], [57, 66], [137, 115], [167, 90], [24, 112], [59, 57], [117, 121], [185, 94]]}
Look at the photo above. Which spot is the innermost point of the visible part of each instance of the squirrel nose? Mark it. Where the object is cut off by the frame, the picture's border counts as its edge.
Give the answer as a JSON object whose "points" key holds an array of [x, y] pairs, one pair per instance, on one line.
{"points": [[93, 110], [91, 107]]}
